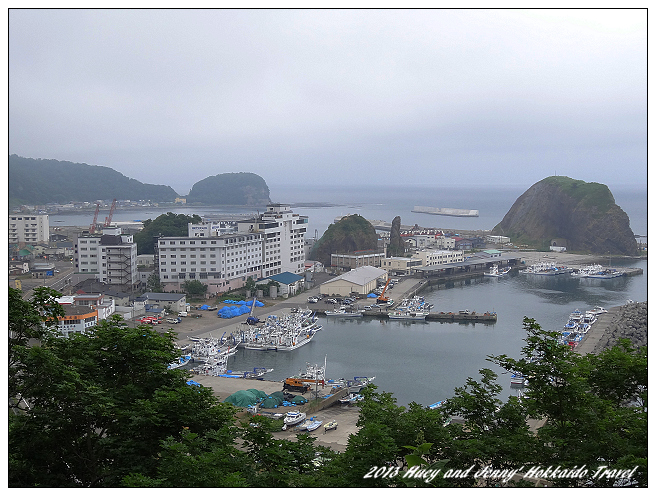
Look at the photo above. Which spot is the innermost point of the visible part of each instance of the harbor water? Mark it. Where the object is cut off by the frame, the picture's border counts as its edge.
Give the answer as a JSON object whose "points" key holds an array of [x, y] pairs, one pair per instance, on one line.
{"points": [[424, 361]]}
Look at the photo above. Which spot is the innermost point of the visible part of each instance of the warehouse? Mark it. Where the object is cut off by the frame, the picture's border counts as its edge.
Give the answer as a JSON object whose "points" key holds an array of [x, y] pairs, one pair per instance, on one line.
{"points": [[362, 281]]}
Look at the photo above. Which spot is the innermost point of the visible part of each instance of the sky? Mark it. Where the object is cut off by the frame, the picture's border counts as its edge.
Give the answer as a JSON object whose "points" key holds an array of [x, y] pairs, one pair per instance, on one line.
{"points": [[382, 97]]}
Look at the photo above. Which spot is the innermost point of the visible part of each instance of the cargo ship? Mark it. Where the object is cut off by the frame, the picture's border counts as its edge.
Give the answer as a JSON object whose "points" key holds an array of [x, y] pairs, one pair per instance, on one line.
{"points": [[452, 212]]}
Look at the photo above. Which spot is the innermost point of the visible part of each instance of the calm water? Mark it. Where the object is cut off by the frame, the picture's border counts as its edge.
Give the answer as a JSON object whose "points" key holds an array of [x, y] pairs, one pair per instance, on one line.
{"points": [[425, 361]]}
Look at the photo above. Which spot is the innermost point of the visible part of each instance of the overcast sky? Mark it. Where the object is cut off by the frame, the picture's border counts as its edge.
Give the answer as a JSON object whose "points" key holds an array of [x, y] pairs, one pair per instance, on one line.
{"points": [[444, 97]]}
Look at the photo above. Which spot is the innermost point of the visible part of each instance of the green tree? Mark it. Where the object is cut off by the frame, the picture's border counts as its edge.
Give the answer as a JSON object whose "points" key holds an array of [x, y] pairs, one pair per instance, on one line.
{"points": [[154, 284], [100, 406], [168, 224], [194, 288]]}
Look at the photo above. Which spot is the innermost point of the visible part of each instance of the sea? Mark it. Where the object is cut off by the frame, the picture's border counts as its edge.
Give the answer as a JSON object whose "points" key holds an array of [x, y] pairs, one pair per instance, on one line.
{"points": [[424, 362]]}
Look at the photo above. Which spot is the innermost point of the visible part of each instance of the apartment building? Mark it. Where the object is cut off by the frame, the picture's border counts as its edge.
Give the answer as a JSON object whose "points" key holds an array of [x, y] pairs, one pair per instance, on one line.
{"points": [[111, 257], [357, 259], [30, 229]]}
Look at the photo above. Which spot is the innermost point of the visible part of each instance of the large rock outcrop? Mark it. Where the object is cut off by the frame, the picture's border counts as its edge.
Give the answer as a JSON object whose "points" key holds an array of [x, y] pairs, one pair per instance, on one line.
{"points": [[351, 233], [396, 247], [560, 210], [232, 188]]}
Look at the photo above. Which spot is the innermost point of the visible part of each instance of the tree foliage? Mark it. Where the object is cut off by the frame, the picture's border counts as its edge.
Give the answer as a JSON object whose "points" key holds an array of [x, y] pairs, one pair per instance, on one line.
{"points": [[168, 224], [104, 410], [194, 288]]}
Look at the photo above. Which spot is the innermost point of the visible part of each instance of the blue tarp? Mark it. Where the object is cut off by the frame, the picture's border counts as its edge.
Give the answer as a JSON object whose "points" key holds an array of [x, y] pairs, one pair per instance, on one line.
{"points": [[204, 307], [194, 383], [372, 295], [242, 302]]}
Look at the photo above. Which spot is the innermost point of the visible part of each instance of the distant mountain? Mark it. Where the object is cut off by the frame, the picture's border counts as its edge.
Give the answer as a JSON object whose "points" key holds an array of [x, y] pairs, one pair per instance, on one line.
{"points": [[583, 216], [234, 188], [41, 181]]}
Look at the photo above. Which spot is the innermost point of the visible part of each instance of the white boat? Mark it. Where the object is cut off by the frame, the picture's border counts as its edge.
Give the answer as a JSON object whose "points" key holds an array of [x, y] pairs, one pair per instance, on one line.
{"points": [[518, 379], [437, 404], [285, 333], [407, 315], [183, 360], [294, 417], [314, 425], [343, 312], [495, 272]]}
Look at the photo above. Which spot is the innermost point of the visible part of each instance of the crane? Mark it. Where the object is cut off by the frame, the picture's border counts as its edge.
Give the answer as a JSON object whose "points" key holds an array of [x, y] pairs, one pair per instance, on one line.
{"points": [[382, 298], [92, 227], [108, 219]]}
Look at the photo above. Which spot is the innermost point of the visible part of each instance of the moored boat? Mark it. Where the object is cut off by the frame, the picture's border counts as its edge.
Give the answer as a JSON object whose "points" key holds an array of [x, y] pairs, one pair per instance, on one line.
{"points": [[407, 315]]}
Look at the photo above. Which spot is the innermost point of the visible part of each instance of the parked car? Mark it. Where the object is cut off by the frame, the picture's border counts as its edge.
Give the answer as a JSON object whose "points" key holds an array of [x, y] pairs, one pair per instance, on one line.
{"points": [[331, 300]]}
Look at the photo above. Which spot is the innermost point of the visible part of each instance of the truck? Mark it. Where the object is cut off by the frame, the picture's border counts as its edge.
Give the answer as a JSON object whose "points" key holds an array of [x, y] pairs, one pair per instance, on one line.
{"points": [[174, 320], [182, 314], [299, 385]]}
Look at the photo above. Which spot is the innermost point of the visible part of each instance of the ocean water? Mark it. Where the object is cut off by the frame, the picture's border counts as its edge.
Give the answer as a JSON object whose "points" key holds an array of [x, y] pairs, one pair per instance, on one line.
{"points": [[377, 203]]}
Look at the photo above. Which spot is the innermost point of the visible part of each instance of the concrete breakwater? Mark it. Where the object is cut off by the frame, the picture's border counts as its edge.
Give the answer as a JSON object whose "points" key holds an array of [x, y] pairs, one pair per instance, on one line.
{"points": [[445, 316]]}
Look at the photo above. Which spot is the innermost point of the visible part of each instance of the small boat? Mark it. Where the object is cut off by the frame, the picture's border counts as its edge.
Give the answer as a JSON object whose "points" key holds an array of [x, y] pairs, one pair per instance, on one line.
{"points": [[437, 404], [518, 379], [332, 425], [314, 425]]}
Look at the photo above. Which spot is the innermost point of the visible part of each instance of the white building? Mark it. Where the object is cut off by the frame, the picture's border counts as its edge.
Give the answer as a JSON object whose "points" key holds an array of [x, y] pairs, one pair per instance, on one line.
{"points": [[362, 280], [260, 247], [438, 257], [30, 229], [111, 257], [222, 262], [284, 233]]}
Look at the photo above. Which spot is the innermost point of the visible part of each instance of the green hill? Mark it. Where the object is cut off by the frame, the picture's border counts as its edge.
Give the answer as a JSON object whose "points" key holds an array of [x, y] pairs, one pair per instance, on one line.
{"points": [[233, 188], [41, 181], [558, 209], [351, 233]]}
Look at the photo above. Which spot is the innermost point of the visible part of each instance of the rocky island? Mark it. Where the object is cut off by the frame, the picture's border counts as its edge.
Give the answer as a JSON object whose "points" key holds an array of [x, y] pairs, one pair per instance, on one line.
{"points": [[561, 211]]}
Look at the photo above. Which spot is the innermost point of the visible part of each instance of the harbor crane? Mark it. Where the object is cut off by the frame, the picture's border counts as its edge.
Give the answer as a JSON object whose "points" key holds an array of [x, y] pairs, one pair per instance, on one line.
{"points": [[252, 319], [108, 219], [92, 227]]}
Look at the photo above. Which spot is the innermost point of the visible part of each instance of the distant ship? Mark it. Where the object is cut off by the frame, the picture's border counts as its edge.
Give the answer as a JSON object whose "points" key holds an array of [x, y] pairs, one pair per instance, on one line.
{"points": [[453, 212]]}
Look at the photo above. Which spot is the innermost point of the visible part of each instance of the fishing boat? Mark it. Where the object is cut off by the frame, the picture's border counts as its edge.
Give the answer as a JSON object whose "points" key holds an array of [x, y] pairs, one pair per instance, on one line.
{"points": [[495, 272], [285, 333], [183, 360], [437, 404], [407, 315], [343, 312], [293, 417]]}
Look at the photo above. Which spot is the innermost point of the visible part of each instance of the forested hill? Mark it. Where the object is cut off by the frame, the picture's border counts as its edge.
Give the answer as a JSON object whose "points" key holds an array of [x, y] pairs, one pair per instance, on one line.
{"points": [[233, 188], [40, 181]]}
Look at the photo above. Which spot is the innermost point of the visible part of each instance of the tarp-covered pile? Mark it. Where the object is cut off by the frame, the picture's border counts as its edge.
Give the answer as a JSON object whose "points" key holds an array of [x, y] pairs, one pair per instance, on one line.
{"points": [[245, 398], [372, 295], [230, 311], [204, 307]]}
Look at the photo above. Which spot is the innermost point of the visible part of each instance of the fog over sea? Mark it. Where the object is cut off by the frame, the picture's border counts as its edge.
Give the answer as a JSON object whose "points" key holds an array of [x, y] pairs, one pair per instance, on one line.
{"points": [[425, 361]]}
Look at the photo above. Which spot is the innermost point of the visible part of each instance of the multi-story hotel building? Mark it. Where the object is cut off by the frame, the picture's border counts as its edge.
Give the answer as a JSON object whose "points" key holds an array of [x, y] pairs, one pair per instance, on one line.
{"points": [[111, 257], [262, 246], [29, 229]]}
